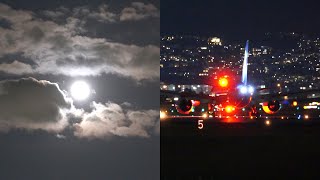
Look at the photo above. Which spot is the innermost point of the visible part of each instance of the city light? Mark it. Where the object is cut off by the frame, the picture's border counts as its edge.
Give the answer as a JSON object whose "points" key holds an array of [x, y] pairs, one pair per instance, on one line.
{"points": [[205, 115], [310, 107], [294, 103]]}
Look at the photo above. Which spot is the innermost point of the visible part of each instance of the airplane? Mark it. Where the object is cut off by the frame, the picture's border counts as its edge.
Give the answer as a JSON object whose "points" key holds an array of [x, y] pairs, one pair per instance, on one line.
{"points": [[233, 102], [187, 104], [184, 104], [249, 103]]}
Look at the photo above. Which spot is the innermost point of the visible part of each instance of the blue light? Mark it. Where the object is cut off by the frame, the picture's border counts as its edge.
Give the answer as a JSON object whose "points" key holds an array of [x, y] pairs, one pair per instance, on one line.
{"points": [[250, 89], [286, 102], [243, 90]]}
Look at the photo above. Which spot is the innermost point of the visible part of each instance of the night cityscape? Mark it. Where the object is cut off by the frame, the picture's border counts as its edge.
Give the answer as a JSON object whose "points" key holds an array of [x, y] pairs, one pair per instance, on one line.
{"points": [[239, 89], [290, 61]]}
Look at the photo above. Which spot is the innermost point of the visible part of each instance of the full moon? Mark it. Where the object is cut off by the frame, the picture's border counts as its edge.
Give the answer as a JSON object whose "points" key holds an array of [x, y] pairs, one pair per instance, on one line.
{"points": [[80, 90]]}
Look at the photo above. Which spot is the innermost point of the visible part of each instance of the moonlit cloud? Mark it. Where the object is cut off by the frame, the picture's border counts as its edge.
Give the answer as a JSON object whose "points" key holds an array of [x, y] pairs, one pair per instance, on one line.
{"points": [[32, 104], [58, 43], [60, 136], [48, 46], [62, 49], [110, 119], [16, 67]]}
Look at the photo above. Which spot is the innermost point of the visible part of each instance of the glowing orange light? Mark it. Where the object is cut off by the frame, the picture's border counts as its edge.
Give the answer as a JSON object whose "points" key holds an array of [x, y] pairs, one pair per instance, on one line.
{"points": [[223, 82], [267, 122], [163, 115], [295, 103], [229, 109], [205, 115]]}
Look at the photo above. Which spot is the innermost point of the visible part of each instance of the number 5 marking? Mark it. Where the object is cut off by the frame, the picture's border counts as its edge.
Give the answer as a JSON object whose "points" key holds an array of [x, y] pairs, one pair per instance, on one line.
{"points": [[200, 124]]}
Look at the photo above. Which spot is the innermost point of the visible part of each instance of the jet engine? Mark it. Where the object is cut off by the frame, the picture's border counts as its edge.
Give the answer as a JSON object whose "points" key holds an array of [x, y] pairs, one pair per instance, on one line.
{"points": [[271, 107], [185, 106]]}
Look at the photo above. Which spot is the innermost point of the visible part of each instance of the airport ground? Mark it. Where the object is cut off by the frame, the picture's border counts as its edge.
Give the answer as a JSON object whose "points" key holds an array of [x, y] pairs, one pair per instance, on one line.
{"points": [[283, 150]]}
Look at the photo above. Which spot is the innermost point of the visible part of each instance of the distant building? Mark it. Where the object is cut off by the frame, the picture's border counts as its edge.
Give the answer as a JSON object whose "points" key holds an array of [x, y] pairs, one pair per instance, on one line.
{"points": [[266, 50], [197, 88], [214, 41]]}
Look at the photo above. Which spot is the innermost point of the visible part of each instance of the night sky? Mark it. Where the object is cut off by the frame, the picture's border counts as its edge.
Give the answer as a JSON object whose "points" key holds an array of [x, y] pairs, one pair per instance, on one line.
{"points": [[46, 131], [245, 19]]}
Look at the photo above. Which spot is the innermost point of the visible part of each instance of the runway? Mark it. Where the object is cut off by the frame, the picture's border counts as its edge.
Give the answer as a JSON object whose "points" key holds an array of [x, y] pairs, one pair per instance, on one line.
{"points": [[285, 149]]}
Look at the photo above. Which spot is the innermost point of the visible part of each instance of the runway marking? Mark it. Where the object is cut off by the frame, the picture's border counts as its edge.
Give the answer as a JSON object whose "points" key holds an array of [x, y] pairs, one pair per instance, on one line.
{"points": [[200, 124]]}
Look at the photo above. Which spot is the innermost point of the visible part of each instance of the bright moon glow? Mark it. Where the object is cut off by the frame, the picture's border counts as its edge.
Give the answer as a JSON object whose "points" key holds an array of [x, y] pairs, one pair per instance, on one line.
{"points": [[80, 90]]}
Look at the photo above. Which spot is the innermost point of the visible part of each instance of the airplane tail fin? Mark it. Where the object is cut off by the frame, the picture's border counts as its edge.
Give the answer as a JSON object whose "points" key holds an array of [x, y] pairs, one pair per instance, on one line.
{"points": [[245, 64]]}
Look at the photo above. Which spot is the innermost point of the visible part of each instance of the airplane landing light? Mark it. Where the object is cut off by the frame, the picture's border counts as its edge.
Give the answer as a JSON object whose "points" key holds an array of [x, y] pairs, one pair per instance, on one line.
{"points": [[163, 115], [243, 89]]}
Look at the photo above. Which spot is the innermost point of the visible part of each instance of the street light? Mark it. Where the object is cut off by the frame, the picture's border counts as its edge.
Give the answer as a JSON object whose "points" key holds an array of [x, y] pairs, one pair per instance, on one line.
{"points": [[279, 85]]}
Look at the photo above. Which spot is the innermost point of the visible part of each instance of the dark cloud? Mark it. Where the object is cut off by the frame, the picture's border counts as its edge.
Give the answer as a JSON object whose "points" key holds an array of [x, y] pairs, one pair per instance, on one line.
{"points": [[141, 27], [35, 33], [138, 11], [103, 13], [58, 13], [5, 23], [33, 104]]}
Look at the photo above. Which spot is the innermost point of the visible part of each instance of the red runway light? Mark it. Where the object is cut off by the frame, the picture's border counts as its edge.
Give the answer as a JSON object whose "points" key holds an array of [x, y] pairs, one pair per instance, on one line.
{"points": [[195, 102], [223, 82], [229, 109]]}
